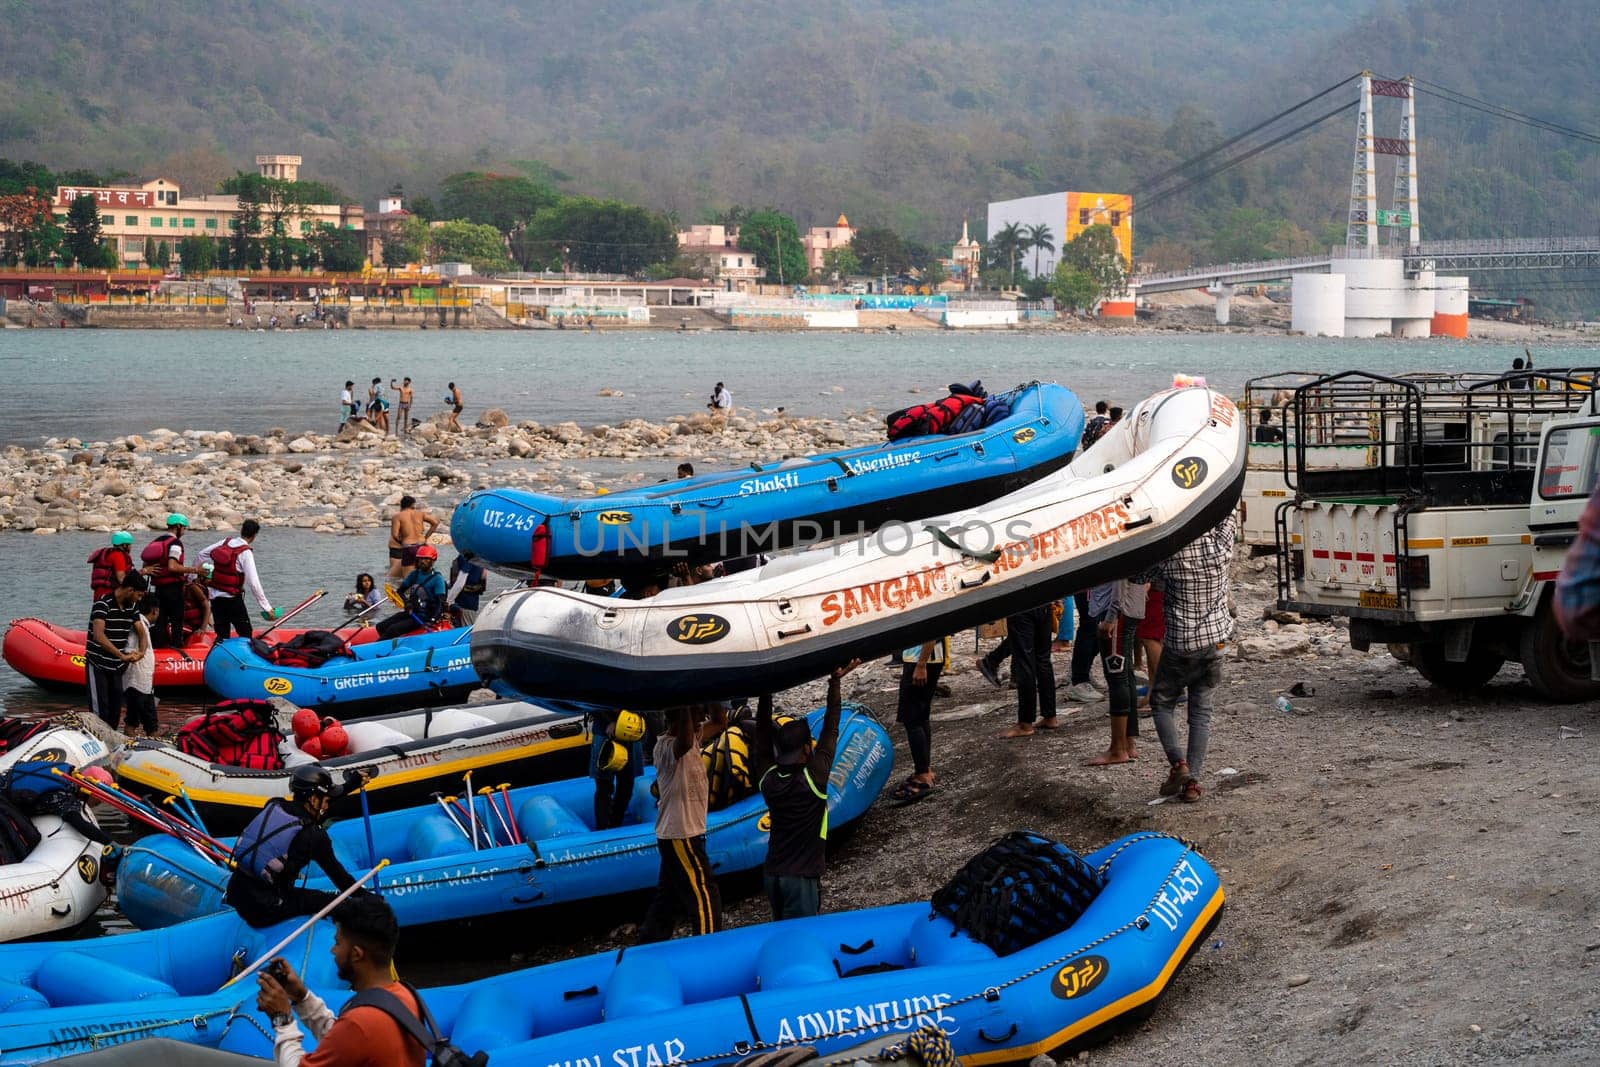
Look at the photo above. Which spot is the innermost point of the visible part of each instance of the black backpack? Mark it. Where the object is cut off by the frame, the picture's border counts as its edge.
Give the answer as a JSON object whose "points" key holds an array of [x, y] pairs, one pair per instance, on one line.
{"points": [[425, 1031], [18, 835]]}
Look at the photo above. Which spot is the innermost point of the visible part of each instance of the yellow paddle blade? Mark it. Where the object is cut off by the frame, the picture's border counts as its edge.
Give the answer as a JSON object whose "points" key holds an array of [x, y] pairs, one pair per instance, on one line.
{"points": [[394, 597]]}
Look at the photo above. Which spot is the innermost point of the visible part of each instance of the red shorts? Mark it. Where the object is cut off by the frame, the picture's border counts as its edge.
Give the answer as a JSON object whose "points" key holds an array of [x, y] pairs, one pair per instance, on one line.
{"points": [[1153, 627]]}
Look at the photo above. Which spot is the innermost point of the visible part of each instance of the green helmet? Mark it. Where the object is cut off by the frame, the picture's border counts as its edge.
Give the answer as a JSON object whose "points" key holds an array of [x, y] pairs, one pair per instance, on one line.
{"points": [[122, 537], [178, 519]]}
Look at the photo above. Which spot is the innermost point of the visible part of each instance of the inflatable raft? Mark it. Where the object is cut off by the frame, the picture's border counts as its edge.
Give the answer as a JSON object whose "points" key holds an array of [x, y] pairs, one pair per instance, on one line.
{"points": [[436, 875], [414, 755], [57, 887], [1157, 480], [52, 656], [774, 506], [65, 740], [431, 667], [1089, 948]]}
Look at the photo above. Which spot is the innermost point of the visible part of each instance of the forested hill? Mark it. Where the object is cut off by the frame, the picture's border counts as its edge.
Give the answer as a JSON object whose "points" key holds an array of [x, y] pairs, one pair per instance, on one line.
{"points": [[906, 114]]}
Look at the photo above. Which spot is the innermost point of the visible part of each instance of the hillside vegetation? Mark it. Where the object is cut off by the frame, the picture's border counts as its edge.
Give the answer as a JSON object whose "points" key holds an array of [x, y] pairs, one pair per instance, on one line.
{"points": [[909, 115]]}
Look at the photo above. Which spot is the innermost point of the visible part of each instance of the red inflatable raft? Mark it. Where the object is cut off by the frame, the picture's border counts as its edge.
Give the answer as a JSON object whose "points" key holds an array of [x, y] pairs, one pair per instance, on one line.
{"points": [[52, 656]]}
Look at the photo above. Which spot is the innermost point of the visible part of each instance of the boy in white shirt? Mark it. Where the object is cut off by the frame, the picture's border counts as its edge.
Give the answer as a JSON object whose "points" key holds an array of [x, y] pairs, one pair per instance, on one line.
{"points": [[139, 679]]}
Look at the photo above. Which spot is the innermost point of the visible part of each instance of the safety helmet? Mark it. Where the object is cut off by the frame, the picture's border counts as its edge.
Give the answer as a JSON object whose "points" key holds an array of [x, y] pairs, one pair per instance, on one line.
{"points": [[613, 757], [629, 726], [178, 519], [427, 552], [310, 780], [122, 537]]}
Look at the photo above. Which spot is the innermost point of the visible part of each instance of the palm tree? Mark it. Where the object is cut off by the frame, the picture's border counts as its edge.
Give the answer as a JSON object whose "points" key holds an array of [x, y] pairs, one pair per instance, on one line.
{"points": [[1006, 245], [1039, 239]]}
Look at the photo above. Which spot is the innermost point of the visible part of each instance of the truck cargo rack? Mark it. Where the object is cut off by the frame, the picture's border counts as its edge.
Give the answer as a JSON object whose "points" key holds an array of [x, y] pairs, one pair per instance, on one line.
{"points": [[1432, 440]]}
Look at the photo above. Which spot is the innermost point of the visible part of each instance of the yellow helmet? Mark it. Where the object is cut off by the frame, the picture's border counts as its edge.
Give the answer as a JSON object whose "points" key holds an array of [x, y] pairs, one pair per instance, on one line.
{"points": [[613, 757], [629, 726]]}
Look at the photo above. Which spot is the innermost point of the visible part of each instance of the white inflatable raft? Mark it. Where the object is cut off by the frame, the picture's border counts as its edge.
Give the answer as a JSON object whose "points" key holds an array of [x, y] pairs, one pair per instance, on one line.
{"points": [[57, 887], [1171, 470]]}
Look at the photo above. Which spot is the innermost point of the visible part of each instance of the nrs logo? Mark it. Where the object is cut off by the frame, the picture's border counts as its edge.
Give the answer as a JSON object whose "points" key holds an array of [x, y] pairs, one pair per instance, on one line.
{"points": [[701, 629], [615, 518], [1188, 472], [1080, 976], [1024, 435]]}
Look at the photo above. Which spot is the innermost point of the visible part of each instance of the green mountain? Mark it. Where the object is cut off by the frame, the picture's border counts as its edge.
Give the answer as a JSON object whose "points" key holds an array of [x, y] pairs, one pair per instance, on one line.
{"points": [[904, 114]]}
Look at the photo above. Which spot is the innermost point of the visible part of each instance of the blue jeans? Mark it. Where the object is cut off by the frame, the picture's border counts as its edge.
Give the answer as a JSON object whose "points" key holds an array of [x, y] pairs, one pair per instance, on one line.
{"points": [[1200, 673]]}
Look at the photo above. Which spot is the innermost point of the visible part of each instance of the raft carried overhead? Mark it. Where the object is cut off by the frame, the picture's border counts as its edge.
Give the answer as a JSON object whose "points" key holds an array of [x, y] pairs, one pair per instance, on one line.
{"points": [[536, 846], [1028, 950], [430, 667], [762, 508], [1167, 473], [413, 754], [52, 656]]}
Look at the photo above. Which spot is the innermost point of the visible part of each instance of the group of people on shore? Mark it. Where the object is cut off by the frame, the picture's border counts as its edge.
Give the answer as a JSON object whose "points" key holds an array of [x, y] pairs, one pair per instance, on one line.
{"points": [[377, 408]]}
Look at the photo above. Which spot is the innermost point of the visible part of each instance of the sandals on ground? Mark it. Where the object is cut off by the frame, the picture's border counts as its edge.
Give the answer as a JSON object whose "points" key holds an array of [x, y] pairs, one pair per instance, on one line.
{"points": [[910, 791], [1191, 791], [1175, 779]]}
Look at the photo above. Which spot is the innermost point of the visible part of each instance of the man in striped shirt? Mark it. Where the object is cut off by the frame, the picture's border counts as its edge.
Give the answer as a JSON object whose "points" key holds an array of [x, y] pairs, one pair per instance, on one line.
{"points": [[1199, 623], [110, 622]]}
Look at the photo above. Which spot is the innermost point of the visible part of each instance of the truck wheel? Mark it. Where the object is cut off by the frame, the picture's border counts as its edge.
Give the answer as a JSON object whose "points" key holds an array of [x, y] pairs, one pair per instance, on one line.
{"points": [[1557, 668], [1428, 658]]}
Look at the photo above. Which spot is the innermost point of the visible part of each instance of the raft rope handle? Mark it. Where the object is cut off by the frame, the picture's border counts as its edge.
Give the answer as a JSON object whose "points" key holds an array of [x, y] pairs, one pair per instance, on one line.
{"points": [[990, 993], [950, 542]]}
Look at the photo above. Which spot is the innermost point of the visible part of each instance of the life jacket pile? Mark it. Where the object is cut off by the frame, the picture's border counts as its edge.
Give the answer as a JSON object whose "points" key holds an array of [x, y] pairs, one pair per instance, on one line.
{"points": [[992, 410], [15, 731], [235, 733], [310, 649], [103, 563], [937, 417], [28, 780], [727, 761]]}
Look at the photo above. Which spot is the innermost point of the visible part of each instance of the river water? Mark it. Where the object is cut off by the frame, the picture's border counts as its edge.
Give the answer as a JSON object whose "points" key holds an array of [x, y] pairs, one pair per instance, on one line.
{"points": [[100, 384]]}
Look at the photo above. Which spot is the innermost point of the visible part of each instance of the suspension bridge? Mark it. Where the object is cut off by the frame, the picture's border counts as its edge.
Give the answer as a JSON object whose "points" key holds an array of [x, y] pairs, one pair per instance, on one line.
{"points": [[1393, 286]]}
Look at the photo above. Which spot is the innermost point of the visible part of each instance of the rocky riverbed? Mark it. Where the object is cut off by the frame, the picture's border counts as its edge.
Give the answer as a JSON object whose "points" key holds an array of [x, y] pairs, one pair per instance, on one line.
{"points": [[353, 480]]}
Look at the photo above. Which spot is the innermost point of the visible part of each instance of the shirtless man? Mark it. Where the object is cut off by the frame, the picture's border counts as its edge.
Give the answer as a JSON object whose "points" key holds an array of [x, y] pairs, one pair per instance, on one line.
{"points": [[402, 408], [455, 407], [408, 531]]}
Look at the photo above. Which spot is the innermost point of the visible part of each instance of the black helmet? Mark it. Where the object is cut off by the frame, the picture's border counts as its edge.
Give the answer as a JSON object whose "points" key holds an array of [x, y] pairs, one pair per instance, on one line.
{"points": [[310, 780]]}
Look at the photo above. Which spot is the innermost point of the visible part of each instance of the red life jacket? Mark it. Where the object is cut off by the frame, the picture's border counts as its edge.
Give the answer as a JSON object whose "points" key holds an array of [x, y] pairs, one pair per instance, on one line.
{"points": [[155, 555], [228, 577], [106, 561], [933, 417], [237, 733], [193, 612]]}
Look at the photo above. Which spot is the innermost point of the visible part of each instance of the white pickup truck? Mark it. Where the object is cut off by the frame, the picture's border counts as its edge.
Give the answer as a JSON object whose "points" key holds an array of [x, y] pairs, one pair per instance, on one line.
{"points": [[1446, 543]]}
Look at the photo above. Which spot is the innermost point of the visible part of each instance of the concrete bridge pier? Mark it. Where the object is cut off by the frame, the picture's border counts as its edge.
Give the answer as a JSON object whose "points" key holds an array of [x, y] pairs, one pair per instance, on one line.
{"points": [[1223, 292]]}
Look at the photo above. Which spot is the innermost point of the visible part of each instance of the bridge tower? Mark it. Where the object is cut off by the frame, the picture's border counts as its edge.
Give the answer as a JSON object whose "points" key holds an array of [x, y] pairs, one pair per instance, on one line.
{"points": [[1366, 218]]}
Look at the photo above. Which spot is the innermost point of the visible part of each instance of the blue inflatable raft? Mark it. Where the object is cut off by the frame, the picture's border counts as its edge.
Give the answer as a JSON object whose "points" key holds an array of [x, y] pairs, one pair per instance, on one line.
{"points": [[432, 667], [1041, 954], [762, 508], [436, 875]]}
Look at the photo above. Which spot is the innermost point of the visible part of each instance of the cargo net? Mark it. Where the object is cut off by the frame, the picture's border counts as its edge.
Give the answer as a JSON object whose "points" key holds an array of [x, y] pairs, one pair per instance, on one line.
{"points": [[1019, 891]]}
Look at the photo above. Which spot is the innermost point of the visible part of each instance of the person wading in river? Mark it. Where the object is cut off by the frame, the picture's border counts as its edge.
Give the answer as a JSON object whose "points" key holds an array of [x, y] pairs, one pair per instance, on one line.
{"points": [[408, 530]]}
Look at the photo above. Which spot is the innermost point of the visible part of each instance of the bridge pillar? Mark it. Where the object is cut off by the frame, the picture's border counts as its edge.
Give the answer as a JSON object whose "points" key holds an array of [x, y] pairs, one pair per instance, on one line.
{"points": [[1223, 292]]}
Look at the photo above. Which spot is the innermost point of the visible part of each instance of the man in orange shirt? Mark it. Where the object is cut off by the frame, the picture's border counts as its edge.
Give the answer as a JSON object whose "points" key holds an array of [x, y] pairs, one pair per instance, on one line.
{"points": [[365, 933]]}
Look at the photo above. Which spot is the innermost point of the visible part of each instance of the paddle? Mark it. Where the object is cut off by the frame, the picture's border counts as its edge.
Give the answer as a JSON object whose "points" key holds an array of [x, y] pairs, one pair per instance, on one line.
{"points": [[488, 793], [505, 798], [358, 616], [366, 821], [292, 612], [472, 810], [303, 927]]}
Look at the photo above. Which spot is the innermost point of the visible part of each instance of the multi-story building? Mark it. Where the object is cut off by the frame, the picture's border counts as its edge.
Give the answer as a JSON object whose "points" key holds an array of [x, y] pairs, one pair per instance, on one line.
{"points": [[715, 249], [820, 239], [157, 209]]}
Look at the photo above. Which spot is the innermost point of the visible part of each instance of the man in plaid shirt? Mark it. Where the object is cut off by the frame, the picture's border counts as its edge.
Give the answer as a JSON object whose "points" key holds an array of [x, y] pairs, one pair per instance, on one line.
{"points": [[1199, 623], [1578, 589]]}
